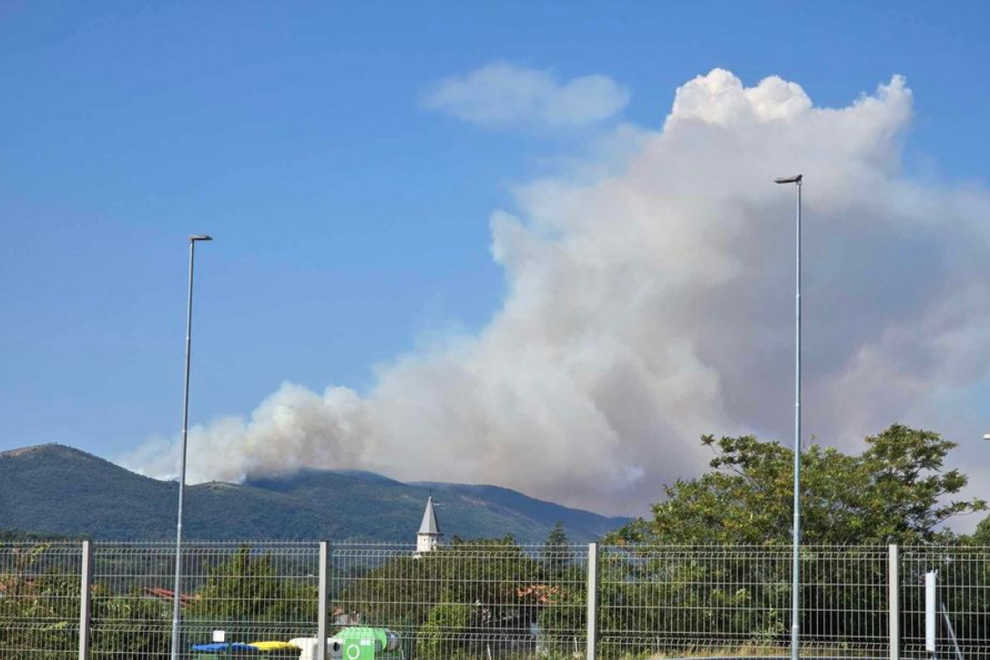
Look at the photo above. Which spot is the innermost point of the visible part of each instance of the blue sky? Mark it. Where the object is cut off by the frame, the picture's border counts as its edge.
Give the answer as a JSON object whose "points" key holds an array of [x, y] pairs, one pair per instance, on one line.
{"points": [[349, 220]]}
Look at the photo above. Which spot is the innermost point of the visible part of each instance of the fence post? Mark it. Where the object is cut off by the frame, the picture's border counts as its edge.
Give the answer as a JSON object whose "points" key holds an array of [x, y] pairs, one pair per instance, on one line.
{"points": [[894, 602], [86, 573], [931, 608], [592, 652], [321, 628]]}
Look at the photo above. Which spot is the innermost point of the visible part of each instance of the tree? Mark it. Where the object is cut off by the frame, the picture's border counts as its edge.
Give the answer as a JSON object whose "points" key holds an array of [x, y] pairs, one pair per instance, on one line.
{"points": [[264, 599], [38, 602], [981, 535], [469, 599], [557, 538], [446, 623], [896, 491], [403, 587], [556, 555], [246, 583], [130, 624]]}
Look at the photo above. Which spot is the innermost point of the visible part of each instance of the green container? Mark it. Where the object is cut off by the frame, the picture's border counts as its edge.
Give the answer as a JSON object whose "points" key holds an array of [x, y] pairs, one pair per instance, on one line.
{"points": [[362, 643]]}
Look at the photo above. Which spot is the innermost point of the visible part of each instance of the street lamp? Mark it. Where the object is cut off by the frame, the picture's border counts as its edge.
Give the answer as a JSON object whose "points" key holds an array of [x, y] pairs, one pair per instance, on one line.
{"points": [[796, 569], [176, 596], [986, 436]]}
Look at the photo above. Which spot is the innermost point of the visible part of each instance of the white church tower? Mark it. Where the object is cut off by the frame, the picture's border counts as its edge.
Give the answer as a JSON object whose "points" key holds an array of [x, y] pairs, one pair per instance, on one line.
{"points": [[428, 536]]}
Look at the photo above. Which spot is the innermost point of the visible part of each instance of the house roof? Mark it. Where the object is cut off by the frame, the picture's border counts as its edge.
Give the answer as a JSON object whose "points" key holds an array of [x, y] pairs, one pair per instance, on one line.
{"points": [[168, 595]]}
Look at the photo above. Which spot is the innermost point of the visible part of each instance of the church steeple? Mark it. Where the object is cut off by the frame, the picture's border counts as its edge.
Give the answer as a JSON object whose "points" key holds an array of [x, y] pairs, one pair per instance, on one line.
{"points": [[428, 536]]}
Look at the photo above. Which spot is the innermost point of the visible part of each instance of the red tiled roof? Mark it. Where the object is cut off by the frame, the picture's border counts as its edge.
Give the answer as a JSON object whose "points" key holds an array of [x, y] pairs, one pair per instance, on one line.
{"points": [[168, 595]]}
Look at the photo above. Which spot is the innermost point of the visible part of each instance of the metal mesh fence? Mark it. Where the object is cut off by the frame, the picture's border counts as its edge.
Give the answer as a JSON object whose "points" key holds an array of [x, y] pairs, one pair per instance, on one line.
{"points": [[252, 591], [496, 601], [131, 601], [669, 601], [962, 601], [39, 601], [467, 600]]}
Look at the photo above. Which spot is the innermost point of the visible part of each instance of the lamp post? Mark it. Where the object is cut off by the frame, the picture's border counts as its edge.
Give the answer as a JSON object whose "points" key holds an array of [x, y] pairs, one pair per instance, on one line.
{"points": [[796, 568], [177, 595]]}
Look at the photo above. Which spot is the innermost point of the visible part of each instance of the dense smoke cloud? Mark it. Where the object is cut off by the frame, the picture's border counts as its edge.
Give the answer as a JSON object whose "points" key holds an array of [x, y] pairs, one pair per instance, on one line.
{"points": [[650, 305]]}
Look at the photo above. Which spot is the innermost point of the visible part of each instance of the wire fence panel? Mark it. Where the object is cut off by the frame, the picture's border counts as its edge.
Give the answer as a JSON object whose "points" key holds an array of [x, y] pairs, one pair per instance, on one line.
{"points": [[962, 601], [39, 600], [735, 601], [252, 592], [494, 600], [131, 600], [844, 602], [484, 601]]}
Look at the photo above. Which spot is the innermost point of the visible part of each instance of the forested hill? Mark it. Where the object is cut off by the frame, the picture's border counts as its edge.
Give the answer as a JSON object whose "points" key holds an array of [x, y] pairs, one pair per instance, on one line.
{"points": [[54, 489]]}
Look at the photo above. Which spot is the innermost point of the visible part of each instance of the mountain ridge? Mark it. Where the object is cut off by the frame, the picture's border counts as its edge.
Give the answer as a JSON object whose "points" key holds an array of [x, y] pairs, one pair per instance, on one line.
{"points": [[58, 489]]}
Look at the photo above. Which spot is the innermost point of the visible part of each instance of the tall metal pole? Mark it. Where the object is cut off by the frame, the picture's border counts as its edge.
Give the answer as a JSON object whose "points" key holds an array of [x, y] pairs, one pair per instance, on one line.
{"points": [[796, 534], [796, 569], [177, 595]]}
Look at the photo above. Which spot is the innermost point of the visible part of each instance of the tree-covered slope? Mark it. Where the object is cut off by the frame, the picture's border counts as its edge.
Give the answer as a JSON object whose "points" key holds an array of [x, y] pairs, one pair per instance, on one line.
{"points": [[55, 489], [580, 524]]}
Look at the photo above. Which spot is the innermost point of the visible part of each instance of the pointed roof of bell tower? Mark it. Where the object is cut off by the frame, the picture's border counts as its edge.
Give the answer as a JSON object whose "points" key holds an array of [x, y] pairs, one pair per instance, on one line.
{"points": [[429, 524]]}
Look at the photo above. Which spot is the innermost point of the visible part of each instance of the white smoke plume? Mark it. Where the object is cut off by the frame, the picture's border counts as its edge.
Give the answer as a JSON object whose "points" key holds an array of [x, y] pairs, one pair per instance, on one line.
{"points": [[501, 95], [653, 304]]}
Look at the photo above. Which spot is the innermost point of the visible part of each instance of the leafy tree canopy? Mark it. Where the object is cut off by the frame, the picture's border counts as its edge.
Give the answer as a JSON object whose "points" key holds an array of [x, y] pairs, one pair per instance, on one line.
{"points": [[252, 583], [981, 536], [896, 491]]}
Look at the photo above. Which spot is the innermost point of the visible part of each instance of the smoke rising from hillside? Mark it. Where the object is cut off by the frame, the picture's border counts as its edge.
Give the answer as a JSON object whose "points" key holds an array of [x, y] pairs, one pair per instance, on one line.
{"points": [[650, 305]]}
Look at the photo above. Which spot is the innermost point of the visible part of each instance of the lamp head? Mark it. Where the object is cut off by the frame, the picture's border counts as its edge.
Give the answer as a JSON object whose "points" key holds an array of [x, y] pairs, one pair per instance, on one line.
{"points": [[200, 237], [789, 179]]}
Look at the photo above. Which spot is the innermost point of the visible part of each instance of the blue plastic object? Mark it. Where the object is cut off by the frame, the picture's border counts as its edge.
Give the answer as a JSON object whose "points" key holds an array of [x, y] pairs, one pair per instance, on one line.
{"points": [[218, 647]]}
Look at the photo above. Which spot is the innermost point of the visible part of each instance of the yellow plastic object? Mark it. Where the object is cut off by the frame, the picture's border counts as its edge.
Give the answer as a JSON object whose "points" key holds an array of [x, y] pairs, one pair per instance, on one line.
{"points": [[274, 646]]}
